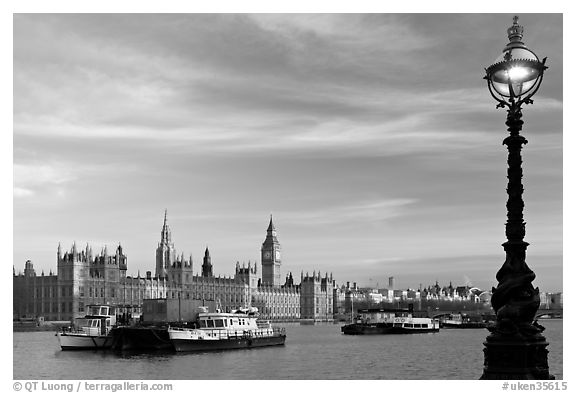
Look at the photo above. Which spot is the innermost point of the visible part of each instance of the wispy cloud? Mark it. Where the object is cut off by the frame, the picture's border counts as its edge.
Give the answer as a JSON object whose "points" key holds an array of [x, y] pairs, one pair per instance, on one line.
{"points": [[352, 32], [22, 192], [28, 179], [353, 127], [364, 212]]}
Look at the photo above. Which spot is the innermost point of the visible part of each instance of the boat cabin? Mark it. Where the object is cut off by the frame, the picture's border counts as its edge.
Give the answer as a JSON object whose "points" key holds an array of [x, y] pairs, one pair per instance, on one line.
{"points": [[98, 321], [379, 315], [405, 318], [96, 310], [228, 321]]}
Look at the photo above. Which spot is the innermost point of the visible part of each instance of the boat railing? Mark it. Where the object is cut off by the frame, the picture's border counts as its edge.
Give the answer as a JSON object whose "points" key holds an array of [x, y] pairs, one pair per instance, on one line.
{"points": [[262, 324], [223, 334], [277, 330], [91, 331], [229, 334]]}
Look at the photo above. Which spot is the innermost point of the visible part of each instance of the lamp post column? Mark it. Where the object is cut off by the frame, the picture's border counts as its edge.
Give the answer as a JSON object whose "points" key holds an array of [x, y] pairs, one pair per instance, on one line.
{"points": [[515, 348]]}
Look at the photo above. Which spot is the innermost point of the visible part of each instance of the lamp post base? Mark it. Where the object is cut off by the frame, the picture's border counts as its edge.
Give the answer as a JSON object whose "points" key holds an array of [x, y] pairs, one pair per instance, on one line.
{"points": [[516, 357]]}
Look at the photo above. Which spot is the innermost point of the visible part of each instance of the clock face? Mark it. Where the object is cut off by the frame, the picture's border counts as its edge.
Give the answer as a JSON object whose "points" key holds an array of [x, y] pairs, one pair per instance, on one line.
{"points": [[267, 254], [277, 254]]}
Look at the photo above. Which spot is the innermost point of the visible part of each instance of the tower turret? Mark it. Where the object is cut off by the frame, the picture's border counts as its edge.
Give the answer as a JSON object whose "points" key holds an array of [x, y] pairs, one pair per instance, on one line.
{"points": [[74, 252], [165, 253], [247, 274], [29, 269], [271, 259], [121, 259], [207, 265]]}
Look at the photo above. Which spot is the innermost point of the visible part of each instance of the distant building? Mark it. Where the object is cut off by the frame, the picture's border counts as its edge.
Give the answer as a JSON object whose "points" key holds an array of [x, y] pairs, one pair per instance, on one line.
{"points": [[353, 297], [400, 294], [278, 303], [273, 300], [82, 279], [412, 294], [36, 295], [374, 297], [387, 295], [86, 278], [316, 297], [339, 299]]}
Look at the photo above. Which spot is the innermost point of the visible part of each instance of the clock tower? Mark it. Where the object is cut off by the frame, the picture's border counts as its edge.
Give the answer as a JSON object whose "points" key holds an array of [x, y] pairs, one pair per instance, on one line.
{"points": [[271, 258]]}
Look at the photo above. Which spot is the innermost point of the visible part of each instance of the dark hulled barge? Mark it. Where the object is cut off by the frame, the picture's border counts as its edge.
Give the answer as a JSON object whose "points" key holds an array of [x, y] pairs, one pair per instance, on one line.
{"points": [[141, 338], [462, 321], [390, 321]]}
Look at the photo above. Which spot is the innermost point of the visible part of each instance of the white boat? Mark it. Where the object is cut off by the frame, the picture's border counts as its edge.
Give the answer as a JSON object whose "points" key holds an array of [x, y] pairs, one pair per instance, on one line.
{"points": [[233, 330], [92, 331]]}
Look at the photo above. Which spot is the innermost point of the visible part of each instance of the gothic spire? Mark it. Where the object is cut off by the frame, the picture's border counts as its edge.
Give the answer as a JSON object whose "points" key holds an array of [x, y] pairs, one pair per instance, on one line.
{"points": [[271, 225], [270, 234], [165, 236]]}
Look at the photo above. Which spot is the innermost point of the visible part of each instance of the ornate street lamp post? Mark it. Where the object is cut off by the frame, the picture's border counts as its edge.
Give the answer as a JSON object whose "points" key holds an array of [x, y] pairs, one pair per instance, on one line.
{"points": [[515, 348]]}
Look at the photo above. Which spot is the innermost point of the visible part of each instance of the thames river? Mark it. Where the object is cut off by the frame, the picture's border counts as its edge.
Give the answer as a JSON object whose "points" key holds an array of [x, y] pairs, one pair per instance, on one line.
{"points": [[311, 352]]}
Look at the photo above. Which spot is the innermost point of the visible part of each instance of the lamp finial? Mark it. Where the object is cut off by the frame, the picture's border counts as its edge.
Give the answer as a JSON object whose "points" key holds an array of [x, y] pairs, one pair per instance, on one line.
{"points": [[515, 33]]}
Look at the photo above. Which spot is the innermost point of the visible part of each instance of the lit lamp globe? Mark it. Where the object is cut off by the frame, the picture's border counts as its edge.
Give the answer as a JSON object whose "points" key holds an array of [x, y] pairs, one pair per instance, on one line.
{"points": [[517, 73]]}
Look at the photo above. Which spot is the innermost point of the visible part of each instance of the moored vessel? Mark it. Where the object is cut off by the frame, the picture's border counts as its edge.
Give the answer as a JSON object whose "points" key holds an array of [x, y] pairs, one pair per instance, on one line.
{"points": [[91, 331], [233, 330], [141, 338], [390, 321], [462, 321]]}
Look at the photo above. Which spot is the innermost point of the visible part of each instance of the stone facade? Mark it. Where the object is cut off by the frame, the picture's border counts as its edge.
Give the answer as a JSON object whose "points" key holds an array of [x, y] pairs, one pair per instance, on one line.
{"points": [[35, 295], [82, 279], [317, 297]]}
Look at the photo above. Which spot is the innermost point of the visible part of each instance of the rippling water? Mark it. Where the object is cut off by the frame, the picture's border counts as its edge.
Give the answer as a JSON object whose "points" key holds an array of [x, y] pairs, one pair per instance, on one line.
{"points": [[311, 352]]}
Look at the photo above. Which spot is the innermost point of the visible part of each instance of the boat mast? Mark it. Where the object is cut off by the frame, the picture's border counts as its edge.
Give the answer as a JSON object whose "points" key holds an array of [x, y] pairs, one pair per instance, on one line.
{"points": [[351, 308]]}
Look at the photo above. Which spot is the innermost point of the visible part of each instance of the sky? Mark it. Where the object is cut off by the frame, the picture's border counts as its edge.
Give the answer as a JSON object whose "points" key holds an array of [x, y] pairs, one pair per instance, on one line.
{"points": [[371, 139]]}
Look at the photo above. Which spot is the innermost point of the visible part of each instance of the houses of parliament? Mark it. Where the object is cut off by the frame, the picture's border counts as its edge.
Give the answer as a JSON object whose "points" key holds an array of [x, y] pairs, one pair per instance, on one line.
{"points": [[84, 277]]}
